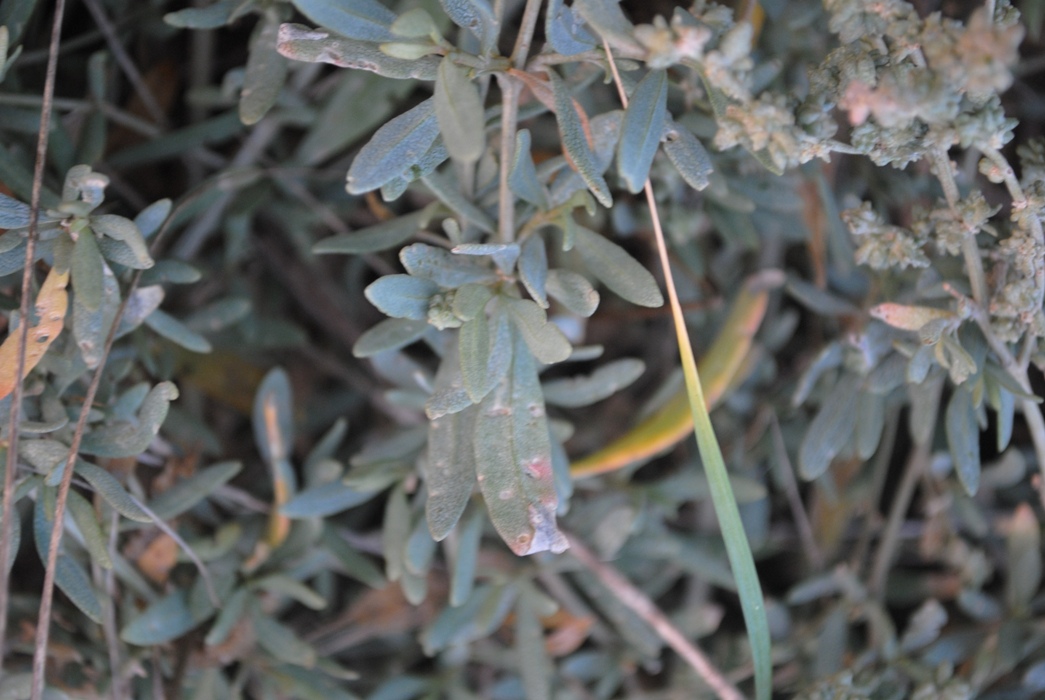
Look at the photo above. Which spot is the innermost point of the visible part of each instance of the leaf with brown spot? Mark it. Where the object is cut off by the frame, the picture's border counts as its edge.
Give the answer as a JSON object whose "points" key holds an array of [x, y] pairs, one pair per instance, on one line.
{"points": [[51, 305]]}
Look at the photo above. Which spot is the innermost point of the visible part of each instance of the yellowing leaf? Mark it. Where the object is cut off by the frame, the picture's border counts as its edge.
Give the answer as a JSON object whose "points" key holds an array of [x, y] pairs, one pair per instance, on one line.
{"points": [[719, 368], [51, 305]]}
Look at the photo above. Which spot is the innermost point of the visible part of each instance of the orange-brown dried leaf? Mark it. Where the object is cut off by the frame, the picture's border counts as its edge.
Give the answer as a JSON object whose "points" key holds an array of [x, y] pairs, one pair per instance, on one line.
{"points": [[51, 304], [158, 558]]}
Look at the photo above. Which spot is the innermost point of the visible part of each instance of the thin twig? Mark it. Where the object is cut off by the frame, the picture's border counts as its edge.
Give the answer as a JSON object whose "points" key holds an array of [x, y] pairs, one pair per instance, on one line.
{"points": [[23, 317], [126, 64], [917, 463], [798, 512], [118, 687], [637, 601]]}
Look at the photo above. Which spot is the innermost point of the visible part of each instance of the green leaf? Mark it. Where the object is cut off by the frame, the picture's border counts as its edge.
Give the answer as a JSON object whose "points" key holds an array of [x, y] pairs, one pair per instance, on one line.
{"points": [[534, 665], [419, 549], [13, 214], [129, 438], [870, 420], [396, 146], [544, 339], [533, 269], [830, 430], [187, 493], [642, 128], [459, 111], [106, 485], [470, 301], [91, 328], [265, 73], [607, 19], [372, 239], [165, 620], [565, 30], [575, 142], [616, 269], [87, 271], [300, 43], [230, 613], [688, 155], [963, 438], [122, 229], [482, 613], [284, 585], [273, 417], [463, 558], [522, 177], [172, 272], [573, 291], [366, 20], [442, 267], [72, 580], [476, 16], [513, 459], [395, 529], [209, 17], [390, 334], [325, 499], [401, 296], [95, 541], [448, 192], [485, 349], [449, 464], [602, 383]]}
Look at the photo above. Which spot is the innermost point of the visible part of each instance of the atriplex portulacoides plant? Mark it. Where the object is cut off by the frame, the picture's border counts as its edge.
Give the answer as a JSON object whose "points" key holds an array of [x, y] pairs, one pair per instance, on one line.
{"points": [[500, 181]]}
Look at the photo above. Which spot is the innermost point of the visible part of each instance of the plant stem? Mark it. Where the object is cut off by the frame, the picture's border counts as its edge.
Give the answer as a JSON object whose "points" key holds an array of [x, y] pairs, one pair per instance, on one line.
{"points": [[509, 114], [941, 163], [916, 465], [8, 506], [637, 601]]}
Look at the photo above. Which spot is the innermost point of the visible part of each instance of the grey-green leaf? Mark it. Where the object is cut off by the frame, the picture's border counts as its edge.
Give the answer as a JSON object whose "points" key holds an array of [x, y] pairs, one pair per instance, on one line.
{"points": [[266, 70], [459, 111], [166, 619], [300, 43], [443, 268], [122, 229], [87, 271], [450, 194], [401, 296], [642, 129], [963, 438], [387, 234], [390, 334], [71, 578], [366, 20], [187, 493], [602, 383], [688, 155], [209, 17], [13, 214], [91, 328], [575, 142], [544, 339], [522, 177], [573, 291], [177, 332], [612, 265], [830, 430], [129, 438], [533, 269], [325, 499], [110, 489], [513, 459], [477, 17], [393, 148]]}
